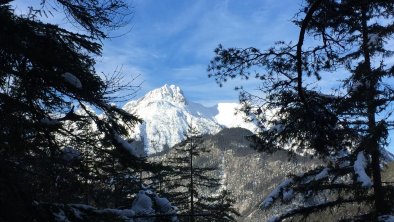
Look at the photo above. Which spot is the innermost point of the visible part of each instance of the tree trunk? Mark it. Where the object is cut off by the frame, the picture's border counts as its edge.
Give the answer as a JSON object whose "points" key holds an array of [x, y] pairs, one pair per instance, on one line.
{"points": [[191, 182], [373, 139]]}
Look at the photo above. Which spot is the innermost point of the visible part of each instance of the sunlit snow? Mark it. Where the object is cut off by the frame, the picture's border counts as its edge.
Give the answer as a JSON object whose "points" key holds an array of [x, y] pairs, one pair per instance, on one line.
{"points": [[167, 115]]}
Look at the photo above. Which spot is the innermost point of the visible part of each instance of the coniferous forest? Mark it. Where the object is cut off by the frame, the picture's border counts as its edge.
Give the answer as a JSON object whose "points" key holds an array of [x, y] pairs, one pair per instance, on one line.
{"points": [[69, 151]]}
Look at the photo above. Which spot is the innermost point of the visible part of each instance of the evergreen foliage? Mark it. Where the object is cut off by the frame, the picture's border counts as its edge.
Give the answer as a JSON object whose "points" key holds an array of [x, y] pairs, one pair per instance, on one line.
{"points": [[346, 127], [51, 154], [195, 189]]}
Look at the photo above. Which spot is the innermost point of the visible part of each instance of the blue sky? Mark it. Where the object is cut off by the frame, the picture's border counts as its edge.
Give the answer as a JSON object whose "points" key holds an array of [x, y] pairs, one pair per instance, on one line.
{"points": [[172, 41]]}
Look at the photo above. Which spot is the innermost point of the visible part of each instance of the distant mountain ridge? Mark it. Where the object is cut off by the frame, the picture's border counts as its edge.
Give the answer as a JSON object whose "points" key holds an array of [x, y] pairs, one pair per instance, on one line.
{"points": [[167, 114]]}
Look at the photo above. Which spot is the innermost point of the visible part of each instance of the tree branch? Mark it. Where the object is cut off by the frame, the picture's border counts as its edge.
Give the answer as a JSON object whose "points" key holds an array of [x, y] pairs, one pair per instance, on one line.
{"points": [[301, 37]]}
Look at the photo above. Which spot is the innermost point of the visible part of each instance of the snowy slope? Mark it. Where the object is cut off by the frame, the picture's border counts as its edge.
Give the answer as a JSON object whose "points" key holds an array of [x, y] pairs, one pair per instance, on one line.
{"points": [[167, 114], [228, 116]]}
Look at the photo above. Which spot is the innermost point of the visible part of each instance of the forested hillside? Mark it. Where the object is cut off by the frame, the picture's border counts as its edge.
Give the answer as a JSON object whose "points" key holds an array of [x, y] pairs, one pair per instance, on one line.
{"points": [[249, 175]]}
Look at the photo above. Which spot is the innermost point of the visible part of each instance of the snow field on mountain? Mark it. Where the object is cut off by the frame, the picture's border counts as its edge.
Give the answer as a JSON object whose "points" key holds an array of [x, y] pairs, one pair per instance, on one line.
{"points": [[167, 115]]}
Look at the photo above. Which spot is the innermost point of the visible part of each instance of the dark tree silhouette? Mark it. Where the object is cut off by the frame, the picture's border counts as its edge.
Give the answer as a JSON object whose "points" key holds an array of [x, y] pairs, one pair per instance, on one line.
{"points": [[347, 127], [51, 154]]}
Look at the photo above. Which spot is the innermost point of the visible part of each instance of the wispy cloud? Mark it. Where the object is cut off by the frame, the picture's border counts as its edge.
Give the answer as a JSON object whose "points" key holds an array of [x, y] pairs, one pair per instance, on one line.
{"points": [[173, 41]]}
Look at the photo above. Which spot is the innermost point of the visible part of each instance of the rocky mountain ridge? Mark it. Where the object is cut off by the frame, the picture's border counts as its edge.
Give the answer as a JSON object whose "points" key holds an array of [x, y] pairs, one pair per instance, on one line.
{"points": [[167, 115]]}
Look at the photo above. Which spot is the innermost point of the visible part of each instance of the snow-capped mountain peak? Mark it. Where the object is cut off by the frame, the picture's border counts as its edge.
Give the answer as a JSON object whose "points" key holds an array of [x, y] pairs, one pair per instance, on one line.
{"points": [[169, 93], [167, 116]]}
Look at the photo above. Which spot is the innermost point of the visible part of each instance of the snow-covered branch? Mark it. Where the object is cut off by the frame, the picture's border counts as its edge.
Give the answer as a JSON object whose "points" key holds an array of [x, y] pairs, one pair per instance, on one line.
{"points": [[132, 149], [269, 200], [72, 80], [359, 168]]}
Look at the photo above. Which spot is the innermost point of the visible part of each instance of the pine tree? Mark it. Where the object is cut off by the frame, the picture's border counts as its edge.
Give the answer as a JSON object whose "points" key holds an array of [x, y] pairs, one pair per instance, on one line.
{"points": [[192, 186], [50, 154], [220, 206], [348, 129]]}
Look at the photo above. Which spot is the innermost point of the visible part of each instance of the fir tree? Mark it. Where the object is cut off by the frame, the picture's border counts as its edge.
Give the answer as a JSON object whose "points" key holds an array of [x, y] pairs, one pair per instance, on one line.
{"points": [[192, 186], [51, 154], [219, 205], [347, 127]]}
